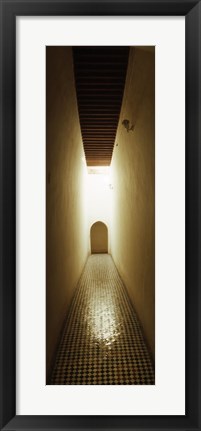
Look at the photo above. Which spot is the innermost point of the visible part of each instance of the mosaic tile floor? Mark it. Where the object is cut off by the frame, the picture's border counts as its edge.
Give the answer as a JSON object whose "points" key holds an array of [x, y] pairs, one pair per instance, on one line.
{"points": [[102, 343]]}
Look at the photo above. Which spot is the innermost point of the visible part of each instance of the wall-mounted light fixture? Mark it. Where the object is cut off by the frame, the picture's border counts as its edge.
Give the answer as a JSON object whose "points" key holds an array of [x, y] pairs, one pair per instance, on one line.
{"points": [[126, 124]]}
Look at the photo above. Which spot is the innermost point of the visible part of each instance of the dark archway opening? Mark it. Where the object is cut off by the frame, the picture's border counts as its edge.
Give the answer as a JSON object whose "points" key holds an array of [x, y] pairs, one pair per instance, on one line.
{"points": [[99, 238]]}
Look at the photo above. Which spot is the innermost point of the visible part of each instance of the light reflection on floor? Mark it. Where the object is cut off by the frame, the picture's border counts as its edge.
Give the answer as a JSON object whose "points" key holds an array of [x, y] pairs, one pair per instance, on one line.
{"points": [[102, 342]]}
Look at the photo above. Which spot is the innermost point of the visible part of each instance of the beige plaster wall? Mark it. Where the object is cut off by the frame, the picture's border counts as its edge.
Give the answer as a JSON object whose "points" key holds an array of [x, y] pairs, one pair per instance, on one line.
{"points": [[133, 178], [66, 221]]}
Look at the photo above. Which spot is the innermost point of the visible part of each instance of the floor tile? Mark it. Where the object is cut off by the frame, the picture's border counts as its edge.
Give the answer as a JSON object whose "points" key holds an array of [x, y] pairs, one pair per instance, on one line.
{"points": [[102, 342]]}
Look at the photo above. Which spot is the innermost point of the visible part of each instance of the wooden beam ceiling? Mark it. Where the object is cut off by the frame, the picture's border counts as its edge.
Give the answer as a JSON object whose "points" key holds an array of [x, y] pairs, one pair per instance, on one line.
{"points": [[100, 74]]}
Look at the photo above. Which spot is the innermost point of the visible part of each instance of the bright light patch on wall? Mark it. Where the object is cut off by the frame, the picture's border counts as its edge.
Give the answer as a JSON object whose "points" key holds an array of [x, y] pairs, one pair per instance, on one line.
{"points": [[104, 170], [99, 196], [103, 173]]}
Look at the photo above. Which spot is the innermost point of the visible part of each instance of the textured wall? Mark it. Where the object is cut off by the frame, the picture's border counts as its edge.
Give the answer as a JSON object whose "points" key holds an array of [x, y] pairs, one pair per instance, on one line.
{"points": [[66, 222], [133, 166]]}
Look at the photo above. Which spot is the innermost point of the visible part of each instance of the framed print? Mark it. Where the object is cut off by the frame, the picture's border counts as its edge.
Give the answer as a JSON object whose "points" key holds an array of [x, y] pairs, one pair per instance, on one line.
{"points": [[100, 210]]}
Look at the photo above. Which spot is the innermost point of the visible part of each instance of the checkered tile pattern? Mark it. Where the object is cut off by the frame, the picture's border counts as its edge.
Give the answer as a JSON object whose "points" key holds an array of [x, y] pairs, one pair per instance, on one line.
{"points": [[102, 343]]}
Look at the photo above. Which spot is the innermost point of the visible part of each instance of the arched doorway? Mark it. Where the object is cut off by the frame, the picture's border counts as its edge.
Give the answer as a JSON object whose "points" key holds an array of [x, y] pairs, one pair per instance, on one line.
{"points": [[99, 238]]}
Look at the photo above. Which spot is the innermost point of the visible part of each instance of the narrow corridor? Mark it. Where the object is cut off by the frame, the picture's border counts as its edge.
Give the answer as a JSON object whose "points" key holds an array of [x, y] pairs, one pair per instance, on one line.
{"points": [[102, 342]]}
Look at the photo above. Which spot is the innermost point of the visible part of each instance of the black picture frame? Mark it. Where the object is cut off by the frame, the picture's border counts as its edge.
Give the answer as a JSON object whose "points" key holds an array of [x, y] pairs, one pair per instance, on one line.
{"points": [[191, 9]]}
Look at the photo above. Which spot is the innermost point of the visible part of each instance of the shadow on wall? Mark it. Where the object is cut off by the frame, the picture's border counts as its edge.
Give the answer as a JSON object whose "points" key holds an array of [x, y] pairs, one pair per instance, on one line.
{"points": [[99, 238]]}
